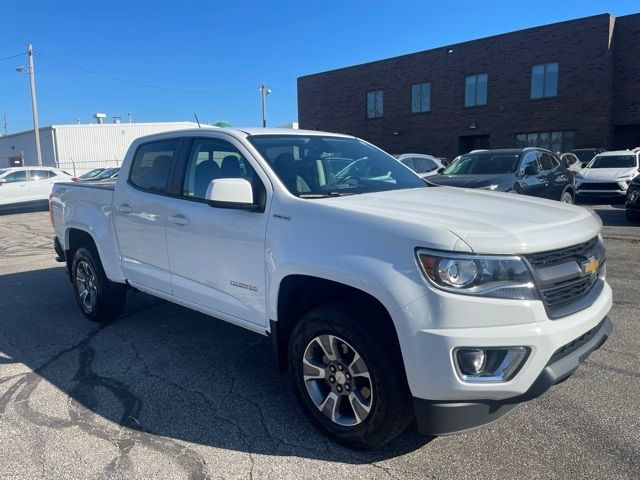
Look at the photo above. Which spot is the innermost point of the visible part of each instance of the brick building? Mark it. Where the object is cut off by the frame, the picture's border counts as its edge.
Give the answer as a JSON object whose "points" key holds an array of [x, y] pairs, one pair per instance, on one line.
{"points": [[567, 85]]}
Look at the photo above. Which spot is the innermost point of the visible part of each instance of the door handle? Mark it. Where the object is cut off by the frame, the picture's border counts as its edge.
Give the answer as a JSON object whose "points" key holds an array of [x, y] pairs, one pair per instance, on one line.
{"points": [[179, 219], [125, 208]]}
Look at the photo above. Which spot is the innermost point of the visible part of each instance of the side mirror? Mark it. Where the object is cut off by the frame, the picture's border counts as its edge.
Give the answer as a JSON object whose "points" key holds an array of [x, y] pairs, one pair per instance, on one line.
{"points": [[531, 170], [230, 193], [3, 180], [441, 169]]}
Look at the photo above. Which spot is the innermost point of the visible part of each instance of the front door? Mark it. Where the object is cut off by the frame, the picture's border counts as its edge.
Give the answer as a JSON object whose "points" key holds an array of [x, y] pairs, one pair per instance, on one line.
{"points": [[217, 255], [15, 188], [40, 184], [533, 185], [140, 216]]}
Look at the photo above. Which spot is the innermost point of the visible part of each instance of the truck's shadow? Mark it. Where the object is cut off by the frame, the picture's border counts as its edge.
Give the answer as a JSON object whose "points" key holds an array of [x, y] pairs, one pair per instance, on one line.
{"points": [[163, 372]]}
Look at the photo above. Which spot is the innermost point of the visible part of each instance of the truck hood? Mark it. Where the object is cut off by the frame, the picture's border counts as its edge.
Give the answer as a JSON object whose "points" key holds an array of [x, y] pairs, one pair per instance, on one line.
{"points": [[470, 181], [488, 222], [605, 174]]}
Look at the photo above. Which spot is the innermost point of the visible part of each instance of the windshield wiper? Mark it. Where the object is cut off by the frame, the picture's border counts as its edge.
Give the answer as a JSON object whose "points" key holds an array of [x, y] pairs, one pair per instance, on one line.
{"points": [[325, 194]]}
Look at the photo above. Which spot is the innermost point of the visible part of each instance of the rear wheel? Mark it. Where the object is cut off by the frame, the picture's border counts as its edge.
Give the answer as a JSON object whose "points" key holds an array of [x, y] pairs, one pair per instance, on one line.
{"points": [[349, 382], [99, 299]]}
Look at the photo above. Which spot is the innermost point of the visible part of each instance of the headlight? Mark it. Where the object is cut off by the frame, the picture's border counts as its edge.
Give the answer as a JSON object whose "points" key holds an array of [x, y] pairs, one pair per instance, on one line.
{"points": [[488, 276]]}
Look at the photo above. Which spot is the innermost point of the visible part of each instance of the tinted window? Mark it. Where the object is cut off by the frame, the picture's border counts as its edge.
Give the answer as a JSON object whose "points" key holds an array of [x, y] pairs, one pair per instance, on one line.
{"points": [[420, 97], [375, 103], [302, 163], [40, 174], [546, 162], [530, 158], [613, 161], [544, 80], [152, 164], [475, 90], [408, 162], [19, 176], [210, 159], [424, 165], [484, 163]]}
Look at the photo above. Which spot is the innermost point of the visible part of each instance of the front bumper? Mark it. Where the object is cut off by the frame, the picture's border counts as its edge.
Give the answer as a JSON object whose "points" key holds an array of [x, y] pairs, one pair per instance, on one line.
{"points": [[447, 417], [582, 188]]}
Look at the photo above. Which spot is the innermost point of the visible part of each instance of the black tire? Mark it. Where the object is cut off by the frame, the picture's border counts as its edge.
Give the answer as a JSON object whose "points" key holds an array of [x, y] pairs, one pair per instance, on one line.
{"points": [[567, 197], [109, 297], [390, 402], [632, 217]]}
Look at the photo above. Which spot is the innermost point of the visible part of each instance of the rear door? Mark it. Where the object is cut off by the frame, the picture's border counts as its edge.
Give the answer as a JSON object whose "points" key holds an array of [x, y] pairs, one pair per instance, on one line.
{"points": [[40, 183], [15, 188], [140, 215], [217, 255]]}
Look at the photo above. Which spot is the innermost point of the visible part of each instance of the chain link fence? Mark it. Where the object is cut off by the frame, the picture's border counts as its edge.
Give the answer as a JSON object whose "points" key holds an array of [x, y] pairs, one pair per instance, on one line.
{"points": [[78, 167]]}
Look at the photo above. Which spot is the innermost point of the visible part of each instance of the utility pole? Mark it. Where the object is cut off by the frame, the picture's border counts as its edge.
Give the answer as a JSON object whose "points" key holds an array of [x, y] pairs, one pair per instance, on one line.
{"points": [[34, 104], [129, 114], [264, 91], [4, 118]]}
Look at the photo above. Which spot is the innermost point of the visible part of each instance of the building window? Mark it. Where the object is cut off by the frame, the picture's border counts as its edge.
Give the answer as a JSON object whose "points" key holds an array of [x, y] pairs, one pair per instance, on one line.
{"points": [[475, 90], [375, 100], [420, 97], [544, 80], [554, 141]]}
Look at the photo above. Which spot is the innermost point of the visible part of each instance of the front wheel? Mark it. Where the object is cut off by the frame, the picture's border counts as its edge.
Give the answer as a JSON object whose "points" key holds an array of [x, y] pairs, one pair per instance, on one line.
{"points": [[350, 384], [98, 298], [567, 197]]}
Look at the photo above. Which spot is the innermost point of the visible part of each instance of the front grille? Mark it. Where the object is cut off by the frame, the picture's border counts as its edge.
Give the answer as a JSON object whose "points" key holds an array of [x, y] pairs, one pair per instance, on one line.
{"points": [[568, 292], [555, 257], [599, 186]]}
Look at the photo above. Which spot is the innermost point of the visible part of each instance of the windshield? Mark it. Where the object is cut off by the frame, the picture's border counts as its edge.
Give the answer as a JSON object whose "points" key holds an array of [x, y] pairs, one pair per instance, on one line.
{"points": [[106, 173], [585, 155], [3, 170], [92, 173], [322, 166], [613, 161], [486, 163]]}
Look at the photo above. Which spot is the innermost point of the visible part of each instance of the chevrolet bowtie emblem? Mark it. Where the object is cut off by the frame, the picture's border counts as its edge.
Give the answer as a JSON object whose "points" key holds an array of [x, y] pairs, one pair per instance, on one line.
{"points": [[591, 266]]}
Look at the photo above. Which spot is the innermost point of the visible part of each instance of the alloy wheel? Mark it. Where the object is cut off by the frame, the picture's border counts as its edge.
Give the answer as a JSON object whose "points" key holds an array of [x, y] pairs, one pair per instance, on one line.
{"points": [[87, 286]]}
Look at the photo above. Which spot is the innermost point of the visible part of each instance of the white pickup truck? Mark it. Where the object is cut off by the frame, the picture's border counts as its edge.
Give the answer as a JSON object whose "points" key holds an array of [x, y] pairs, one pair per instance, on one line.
{"points": [[387, 299]]}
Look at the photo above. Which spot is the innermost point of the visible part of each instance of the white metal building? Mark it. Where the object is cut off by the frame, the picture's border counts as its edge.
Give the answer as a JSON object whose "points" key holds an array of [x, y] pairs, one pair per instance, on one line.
{"points": [[78, 148]]}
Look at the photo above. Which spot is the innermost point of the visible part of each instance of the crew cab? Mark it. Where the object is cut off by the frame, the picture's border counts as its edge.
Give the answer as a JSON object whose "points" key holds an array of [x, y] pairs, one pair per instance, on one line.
{"points": [[527, 171], [386, 299]]}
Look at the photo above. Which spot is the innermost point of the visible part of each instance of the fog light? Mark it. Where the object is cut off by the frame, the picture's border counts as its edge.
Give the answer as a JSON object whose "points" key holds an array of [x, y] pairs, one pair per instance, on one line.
{"points": [[489, 364]]}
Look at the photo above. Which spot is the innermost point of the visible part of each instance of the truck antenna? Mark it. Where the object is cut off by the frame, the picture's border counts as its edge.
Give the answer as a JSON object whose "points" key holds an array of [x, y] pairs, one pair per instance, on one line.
{"points": [[195, 115]]}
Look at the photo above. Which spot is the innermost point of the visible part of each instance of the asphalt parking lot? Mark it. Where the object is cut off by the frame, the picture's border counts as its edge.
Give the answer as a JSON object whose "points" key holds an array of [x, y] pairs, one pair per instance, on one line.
{"points": [[164, 392]]}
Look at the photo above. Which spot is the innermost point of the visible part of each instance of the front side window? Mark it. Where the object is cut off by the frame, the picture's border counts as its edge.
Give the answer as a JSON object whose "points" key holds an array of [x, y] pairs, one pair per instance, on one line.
{"points": [[613, 161], [210, 159], [544, 80], [19, 176], [420, 97], [375, 104], [530, 158], [306, 165], [152, 165], [475, 90], [483, 163]]}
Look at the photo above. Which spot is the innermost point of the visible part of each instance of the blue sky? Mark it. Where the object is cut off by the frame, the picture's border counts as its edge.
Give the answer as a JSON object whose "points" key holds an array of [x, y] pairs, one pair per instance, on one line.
{"points": [[216, 53]]}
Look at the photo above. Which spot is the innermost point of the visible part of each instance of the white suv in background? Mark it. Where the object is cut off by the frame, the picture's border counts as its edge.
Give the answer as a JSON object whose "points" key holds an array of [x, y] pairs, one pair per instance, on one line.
{"points": [[423, 165], [608, 173], [28, 184]]}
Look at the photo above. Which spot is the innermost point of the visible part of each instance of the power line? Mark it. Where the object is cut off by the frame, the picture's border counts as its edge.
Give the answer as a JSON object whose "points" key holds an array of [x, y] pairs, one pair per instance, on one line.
{"points": [[140, 84], [12, 56]]}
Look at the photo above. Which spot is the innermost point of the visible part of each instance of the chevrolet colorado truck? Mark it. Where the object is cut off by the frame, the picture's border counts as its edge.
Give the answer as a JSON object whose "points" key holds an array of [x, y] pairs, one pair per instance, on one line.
{"points": [[387, 299]]}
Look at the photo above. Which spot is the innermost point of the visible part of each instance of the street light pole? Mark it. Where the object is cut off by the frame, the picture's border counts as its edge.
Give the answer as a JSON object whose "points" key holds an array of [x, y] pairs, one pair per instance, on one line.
{"points": [[34, 104], [264, 91]]}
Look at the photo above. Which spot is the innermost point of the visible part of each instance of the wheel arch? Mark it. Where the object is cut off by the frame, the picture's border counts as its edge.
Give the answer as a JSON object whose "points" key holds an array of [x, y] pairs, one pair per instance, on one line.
{"points": [[297, 294]]}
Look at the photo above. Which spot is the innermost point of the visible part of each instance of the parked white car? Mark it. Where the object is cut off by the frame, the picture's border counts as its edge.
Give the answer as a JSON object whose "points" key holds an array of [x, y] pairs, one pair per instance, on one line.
{"points": [[423, 165], [386, 298], [608, 173], [28, 184], [571, 161]]}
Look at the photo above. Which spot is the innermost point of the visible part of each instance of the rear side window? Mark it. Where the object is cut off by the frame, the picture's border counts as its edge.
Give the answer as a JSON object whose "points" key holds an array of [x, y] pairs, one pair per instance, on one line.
{"points": [[40, 174], [19, 176], [546, 162], [152, 165], [424, 165]]}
